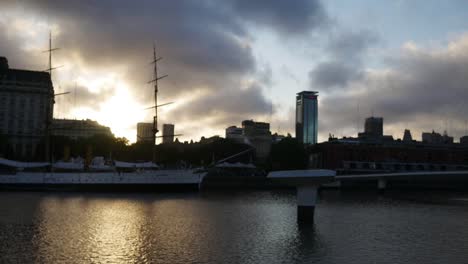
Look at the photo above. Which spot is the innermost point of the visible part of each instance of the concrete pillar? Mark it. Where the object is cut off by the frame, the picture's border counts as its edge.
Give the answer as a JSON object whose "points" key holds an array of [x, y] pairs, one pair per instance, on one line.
{"points": [[306, 200], [381, 184], [307, 183]]}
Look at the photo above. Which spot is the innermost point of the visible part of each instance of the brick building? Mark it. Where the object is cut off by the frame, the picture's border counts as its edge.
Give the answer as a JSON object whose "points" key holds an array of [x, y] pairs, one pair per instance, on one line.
{"points": [[413, 156]]}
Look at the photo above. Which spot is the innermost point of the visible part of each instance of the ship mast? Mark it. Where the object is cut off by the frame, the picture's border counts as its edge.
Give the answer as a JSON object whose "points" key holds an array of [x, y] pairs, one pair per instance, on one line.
{"points": [[50, 113], [155, 80]]}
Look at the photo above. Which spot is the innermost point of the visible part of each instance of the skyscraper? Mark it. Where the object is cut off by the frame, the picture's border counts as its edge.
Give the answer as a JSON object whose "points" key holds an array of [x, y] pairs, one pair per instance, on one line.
{"points": [[373, 126], [307, 117], [168, 133], [145, 132]]}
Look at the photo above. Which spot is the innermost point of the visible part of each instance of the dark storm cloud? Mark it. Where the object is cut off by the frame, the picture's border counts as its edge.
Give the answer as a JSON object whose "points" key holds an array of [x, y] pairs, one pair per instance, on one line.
{"points": [[291, 17], [81, 95], [205, 44], [230, 104], [193, 36], [9, 48], [201, 38], [351, 45], [424, 89], [346, 51], [334, 74]]}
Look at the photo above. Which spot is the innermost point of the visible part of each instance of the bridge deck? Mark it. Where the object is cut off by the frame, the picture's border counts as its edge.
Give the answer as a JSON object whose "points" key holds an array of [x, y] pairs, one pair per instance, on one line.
{"points": [[404, 174]]}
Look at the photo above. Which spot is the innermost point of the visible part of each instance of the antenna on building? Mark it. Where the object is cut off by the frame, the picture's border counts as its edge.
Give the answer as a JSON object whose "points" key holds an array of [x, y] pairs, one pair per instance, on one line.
{"points": [[445, 124], [74, 99], [449, 125], [271, 110], [357, 118]]}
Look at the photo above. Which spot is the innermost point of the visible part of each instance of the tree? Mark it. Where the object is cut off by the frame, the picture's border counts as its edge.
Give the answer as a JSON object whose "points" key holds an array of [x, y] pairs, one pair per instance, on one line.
{"points": [[122, 140], [288, 154]]}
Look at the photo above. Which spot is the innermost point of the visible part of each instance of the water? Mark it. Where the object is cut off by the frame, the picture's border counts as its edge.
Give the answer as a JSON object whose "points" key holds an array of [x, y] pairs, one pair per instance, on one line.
{"points": [[245, 227]]}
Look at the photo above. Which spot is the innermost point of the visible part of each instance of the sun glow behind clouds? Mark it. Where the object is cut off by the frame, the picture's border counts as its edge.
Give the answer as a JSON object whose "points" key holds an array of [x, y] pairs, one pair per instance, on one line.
{"points": [[120, 112], [118, 109], [96, 84]]}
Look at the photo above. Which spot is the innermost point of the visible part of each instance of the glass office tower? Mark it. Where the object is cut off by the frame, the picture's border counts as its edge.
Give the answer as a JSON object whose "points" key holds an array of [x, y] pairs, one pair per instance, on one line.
{"points": [[307, 117]]}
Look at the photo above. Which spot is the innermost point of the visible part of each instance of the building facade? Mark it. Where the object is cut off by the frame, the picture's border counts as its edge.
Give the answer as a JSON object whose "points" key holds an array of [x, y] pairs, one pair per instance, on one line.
{"points": [[168, 133], [255, 134], [235, 133], [307, 117], [76, 129], [464, 140], [145, 132], [373, 151], [398, 155], [26, 108], [373, 126], [373, 130], [258, 135], [436, 138]]}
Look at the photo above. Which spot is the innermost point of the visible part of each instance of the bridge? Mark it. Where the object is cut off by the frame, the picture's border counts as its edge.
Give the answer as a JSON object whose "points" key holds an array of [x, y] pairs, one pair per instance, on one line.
{"points": [[409, 176], [307, 183]]}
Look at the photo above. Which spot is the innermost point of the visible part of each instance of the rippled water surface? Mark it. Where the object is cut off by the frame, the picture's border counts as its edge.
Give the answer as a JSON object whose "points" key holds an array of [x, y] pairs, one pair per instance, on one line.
{"points": [[247, 227]]}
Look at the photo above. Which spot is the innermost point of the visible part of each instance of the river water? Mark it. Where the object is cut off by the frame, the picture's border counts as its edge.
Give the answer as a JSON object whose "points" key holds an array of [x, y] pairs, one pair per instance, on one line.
{"points": [[231, 227]]}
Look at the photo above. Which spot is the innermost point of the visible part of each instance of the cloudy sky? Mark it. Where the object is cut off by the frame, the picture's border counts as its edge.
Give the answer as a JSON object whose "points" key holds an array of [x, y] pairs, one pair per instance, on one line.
{"points": [[239, 59]]}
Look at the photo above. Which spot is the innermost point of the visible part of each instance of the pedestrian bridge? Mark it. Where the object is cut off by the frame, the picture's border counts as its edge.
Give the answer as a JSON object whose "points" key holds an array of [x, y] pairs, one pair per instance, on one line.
{"points": [[307, 183], [412, 174], [406, 177]]}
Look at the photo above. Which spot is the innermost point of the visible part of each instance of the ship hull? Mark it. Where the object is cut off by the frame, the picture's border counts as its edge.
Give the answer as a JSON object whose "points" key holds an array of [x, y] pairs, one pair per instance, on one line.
{"points": [[100, 187], [180, 180]]}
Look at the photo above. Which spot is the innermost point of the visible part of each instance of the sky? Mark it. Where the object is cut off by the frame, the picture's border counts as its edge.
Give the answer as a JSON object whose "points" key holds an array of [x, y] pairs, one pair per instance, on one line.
{"points": [[233, 60]]}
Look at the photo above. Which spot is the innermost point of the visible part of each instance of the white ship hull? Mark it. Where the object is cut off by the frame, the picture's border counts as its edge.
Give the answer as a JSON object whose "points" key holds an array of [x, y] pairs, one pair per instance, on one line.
{"points": [[146, 179]]}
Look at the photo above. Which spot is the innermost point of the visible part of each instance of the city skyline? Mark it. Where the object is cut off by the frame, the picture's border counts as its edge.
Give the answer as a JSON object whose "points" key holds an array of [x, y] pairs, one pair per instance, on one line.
{"points": [[229, 72]]}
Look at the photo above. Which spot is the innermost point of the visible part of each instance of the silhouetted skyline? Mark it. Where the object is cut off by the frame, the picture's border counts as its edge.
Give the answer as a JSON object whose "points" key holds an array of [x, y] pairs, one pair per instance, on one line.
{"points": [[237, 60]]}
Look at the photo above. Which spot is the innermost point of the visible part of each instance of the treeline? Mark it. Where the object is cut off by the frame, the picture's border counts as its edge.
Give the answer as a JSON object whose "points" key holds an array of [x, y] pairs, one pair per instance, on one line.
{"points": [[170, 154], [285, 155], [288, 154]]}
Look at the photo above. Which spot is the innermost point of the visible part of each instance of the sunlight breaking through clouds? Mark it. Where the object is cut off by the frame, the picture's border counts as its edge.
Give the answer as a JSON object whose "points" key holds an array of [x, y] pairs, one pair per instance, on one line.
{"points": [[237, 60]]}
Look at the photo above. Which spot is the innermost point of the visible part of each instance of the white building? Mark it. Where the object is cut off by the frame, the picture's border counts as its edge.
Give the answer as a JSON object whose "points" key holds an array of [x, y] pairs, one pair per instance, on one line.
{"points": [[255, 134], [168, 133], [145, 132], [26, 107], [235, 133]]}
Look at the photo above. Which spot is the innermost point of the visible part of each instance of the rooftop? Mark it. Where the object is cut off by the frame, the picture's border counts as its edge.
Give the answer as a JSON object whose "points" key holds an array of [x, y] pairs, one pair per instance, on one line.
{"points": [[308, 93], [21, 75]]}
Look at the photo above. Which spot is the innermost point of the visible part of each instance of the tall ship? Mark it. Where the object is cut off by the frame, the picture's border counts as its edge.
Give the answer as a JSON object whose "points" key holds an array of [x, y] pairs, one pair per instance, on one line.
{"points": [[98, 175], [123, 175]]}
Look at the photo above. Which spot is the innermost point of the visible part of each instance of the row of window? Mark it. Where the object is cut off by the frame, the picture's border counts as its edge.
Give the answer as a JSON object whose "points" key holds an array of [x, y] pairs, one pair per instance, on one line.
{"points": [[403, 167]]}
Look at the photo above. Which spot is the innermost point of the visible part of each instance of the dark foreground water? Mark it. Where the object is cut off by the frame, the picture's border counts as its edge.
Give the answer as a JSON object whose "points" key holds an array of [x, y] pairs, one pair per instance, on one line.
{"points": [[253, 227]]}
